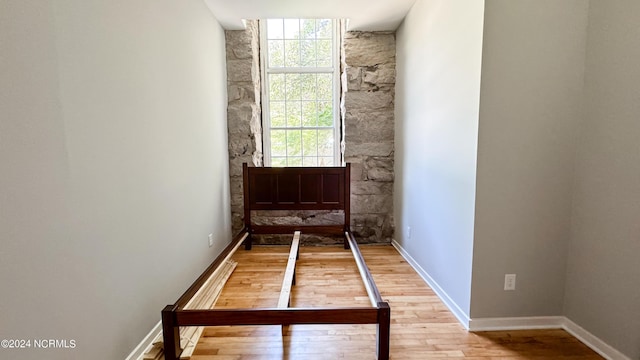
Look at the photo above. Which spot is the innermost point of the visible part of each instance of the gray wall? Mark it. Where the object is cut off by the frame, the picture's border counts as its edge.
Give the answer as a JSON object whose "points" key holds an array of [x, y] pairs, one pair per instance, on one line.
{"points": [[113, 160], [437, 98], [558, 161], [603, 279], [530, 106]]}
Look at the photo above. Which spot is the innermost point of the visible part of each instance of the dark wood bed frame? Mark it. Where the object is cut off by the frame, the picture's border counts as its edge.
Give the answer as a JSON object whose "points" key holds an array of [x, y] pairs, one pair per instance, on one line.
{"points": [[304, 188]]}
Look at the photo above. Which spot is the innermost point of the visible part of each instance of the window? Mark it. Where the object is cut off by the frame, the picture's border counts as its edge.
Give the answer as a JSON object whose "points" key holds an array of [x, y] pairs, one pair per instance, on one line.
{"points": [[300, 103]]}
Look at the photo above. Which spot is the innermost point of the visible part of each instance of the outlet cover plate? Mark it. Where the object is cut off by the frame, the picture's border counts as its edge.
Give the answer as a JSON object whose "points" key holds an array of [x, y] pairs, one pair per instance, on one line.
{"points": [[510, 281]]}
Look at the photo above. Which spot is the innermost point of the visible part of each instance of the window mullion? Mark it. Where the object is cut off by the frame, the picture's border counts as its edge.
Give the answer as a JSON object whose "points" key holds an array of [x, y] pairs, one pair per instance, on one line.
{"points": [[266, 119], [298, 70]]}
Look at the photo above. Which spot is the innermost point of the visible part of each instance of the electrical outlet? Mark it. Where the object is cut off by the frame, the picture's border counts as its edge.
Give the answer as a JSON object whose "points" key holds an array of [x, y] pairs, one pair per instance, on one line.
{"points": [[210, 240], [510, 281], [408, 232]]}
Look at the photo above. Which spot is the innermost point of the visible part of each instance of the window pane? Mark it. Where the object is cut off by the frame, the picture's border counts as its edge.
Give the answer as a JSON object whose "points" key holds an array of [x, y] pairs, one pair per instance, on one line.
{"points": [[294, 143], [278, 161], [292, 85], [324, 28], [308, 27], [278, 143], [308, 53], [294, 161], [294, 114], [325, 87], [276, 87], [309, 113], [324, 53], [276, 53], [291, 29], [310, 142], [310, 161], [275, 29], [325, 161], [325, 113], [276, 114], [292, 53], [325, 142], [308, 86]]}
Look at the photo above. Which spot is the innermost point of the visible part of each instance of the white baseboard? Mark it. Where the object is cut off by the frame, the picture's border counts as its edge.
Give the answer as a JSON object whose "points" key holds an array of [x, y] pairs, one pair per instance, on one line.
{"points": [[462, 317], [137, 353], [605, 350], [517, 323]]}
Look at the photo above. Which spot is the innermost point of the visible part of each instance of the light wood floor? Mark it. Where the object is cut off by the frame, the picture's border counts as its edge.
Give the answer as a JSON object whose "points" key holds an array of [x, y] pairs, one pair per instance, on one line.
{"points": [[421, 326]]}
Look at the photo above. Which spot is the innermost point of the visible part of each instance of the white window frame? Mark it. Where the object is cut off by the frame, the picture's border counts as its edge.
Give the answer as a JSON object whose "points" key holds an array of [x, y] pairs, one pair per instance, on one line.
{"points": [[265, 71]]}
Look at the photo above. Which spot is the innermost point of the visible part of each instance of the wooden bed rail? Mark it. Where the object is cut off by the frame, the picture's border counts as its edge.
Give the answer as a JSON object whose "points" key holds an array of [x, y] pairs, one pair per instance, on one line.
{"points": [[277, 316], [290, 273], [305, 229], [382, 307], [367, 279], [172, 318]]}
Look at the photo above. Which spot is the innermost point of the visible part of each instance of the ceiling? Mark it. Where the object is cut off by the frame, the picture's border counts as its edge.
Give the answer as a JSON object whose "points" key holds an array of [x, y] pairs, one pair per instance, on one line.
{"points": [[365, 15]]}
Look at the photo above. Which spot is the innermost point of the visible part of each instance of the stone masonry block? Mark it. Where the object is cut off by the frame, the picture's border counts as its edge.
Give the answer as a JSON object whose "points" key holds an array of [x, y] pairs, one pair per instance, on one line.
{"points": [[239, 70], [357, 170], [236, 223], [379, 169], [369, 220], [238, 44], [388, 228], [380, 74], [371, 204], [241, 92], [371, 188], [368, 100], [365, 234], [354, 78], [368, 49], [362, 127], [369, 149], [239, 147], [380, 174]]}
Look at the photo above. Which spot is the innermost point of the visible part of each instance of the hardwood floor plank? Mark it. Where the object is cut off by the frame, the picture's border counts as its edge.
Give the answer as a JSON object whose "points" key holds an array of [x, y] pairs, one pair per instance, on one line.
{"points": [[421, 325]]}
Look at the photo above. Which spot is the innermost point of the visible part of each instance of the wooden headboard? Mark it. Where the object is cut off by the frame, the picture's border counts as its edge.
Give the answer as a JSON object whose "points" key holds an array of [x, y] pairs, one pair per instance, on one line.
{"points": [[296, 188]]}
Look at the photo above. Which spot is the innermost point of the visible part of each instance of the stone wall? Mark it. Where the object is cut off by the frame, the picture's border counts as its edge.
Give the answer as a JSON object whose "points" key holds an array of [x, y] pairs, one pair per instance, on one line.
{"points": [[243, 111], [369, 63], [368, 120]]}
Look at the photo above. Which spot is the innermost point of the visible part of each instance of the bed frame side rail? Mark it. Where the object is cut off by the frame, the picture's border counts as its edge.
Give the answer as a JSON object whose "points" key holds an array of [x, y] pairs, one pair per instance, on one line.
{"points": [[382, 307]]}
